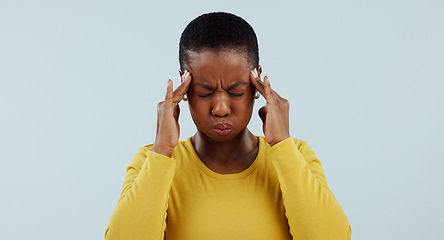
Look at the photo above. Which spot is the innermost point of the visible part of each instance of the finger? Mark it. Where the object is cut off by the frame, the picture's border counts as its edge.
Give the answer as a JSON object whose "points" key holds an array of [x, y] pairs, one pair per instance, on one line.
{"points": [[159, 110], [169, 94], [176, 112], [182, 89], [263, 113], [278, 97], [274, 93], [269, 96], [256, 81], [184, 75]]}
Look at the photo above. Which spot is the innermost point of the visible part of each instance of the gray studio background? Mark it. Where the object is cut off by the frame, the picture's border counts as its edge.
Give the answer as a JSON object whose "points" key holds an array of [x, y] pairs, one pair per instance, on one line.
{"points": [[80, 81]]}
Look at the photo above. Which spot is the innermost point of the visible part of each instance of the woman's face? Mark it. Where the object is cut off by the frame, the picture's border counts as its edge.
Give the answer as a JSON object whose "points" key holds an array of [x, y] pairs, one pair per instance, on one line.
{"points": [[220, 96]]}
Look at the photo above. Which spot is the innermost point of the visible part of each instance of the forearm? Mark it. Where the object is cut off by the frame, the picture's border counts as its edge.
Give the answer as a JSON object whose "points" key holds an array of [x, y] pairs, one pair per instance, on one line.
{"points": [[141, 210], [311, 208]]}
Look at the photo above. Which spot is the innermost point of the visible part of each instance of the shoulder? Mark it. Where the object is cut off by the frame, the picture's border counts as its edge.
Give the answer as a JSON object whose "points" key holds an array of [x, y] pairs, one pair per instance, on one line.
{"points": [[292, 145]]}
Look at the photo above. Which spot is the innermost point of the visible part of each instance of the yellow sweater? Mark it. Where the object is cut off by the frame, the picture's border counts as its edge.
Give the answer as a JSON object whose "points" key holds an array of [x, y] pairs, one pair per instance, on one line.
{"points": [[282, 195]]}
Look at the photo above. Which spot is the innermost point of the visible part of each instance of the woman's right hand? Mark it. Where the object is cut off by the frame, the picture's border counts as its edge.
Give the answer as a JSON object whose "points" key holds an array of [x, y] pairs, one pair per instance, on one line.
{"points": [[168, 130]]}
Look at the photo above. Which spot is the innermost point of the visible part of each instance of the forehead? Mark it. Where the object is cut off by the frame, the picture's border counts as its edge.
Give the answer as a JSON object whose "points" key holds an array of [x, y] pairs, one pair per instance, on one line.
{"points": [[211, 67]]}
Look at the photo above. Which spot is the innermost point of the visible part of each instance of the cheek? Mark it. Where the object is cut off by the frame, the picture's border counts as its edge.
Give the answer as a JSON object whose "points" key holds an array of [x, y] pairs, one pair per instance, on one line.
{"points": [[197, 107], [250, 97], [244, 106]]}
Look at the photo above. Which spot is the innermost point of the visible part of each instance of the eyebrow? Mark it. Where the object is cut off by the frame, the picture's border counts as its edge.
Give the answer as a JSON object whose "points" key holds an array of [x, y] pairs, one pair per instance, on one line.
{"points": [[208, 87]]}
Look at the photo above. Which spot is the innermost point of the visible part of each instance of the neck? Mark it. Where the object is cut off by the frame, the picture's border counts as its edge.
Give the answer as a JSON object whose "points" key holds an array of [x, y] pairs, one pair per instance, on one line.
{"points": [[229, 152]]}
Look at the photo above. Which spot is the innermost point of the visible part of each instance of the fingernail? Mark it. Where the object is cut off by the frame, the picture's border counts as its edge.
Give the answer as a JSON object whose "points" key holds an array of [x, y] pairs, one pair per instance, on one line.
{"points": [[184, 75], [255, 73]]}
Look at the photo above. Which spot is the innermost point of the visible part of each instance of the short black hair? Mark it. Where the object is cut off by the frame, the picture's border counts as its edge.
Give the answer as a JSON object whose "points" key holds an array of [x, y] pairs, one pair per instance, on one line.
{"points": [[217, 31]]}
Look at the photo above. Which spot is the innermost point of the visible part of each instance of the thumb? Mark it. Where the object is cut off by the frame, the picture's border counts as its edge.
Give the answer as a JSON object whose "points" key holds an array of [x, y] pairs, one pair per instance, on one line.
{"points": [[263, 113], [176, 112]]}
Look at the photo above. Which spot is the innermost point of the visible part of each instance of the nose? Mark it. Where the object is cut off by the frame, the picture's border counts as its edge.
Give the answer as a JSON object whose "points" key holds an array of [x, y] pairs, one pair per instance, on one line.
{"points": [[221, 106]]}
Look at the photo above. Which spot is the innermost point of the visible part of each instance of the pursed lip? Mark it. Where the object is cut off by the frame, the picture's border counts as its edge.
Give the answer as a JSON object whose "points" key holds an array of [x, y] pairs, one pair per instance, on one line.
{"points": [[223, 129], [223, 126]]}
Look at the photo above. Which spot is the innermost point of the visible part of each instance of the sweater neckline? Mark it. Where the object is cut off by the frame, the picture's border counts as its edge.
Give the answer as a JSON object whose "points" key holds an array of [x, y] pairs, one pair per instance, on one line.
{"points": [[228, 176]]}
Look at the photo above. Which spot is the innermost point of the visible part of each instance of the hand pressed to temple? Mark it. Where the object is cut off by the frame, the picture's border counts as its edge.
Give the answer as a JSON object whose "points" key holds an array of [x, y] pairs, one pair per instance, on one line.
{"points": [[275, 114], [168, 129]]}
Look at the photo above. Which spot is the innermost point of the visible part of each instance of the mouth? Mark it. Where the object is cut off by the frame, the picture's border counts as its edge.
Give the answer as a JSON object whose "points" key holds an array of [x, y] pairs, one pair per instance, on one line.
{"points": [[223, 129]]}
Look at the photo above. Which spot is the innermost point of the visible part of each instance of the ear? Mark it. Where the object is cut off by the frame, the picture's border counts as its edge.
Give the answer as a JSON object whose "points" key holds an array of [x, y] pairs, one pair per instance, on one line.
{"points": [[259, 70]]}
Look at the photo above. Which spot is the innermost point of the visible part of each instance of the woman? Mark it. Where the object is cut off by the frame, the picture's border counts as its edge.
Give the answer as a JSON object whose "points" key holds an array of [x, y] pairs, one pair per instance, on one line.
{"points": [[224, 182]]}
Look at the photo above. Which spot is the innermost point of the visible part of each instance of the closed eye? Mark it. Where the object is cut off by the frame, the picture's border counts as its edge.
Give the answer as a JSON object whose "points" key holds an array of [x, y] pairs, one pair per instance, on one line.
{"points": [[236, 94], [204, 95]]}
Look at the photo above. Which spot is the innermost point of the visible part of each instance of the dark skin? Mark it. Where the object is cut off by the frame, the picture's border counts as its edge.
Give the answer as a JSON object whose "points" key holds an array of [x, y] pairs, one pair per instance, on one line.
{"points": [[221, 92]]}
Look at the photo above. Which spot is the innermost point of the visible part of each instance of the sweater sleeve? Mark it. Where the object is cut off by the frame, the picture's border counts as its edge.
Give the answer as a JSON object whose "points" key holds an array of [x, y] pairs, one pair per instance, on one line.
{"points": [[311, 209], [141, 210]]}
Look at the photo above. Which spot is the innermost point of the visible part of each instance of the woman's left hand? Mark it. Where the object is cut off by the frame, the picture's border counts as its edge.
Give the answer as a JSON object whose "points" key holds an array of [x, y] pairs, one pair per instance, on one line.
{"points": [[275, 114]]}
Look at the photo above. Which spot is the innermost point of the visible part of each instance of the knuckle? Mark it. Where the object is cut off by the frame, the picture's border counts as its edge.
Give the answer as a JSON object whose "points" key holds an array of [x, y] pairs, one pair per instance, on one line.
{"points": [[160, 105]]}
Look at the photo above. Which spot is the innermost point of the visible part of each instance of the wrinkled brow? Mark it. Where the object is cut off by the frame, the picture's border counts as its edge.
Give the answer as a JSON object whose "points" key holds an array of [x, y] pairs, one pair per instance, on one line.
{"points": [[208, 87]]}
